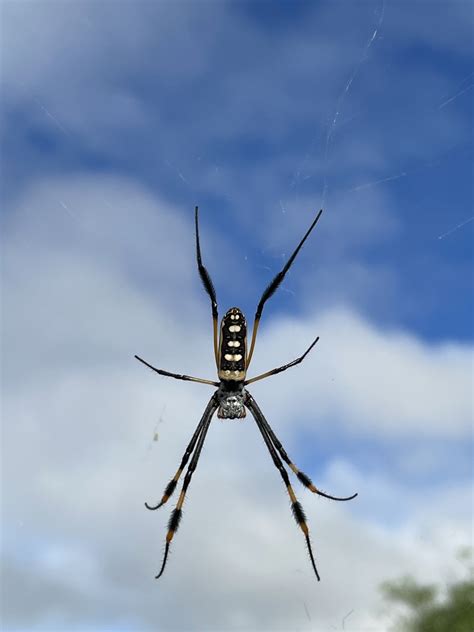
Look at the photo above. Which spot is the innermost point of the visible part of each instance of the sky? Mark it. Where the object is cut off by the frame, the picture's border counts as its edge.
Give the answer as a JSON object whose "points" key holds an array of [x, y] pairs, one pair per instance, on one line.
{"points": [[117, 119]]}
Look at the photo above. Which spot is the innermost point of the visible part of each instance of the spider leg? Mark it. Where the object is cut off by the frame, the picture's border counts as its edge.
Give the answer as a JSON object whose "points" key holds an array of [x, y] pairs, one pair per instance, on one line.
{"points": [[282, 368], [296, 507], [302, 477], [177, 375], [174, 481], [176, 514], [208, 286], [273, 286]]}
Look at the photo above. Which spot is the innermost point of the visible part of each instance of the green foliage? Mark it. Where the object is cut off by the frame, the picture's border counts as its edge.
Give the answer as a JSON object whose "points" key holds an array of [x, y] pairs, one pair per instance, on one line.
{"points": [[427, 610], [408, 592]]}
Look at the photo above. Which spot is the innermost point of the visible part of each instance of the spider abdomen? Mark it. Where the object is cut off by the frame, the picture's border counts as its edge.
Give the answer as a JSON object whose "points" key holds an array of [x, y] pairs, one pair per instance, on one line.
{"points": [[233, 346]]}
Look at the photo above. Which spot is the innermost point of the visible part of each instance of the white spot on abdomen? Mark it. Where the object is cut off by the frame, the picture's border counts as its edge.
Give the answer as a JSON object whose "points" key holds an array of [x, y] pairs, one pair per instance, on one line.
{"points": [[230, 357]]}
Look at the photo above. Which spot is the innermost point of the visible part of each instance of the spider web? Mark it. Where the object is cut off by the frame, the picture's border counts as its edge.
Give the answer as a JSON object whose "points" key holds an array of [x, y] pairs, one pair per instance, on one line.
{"points": [[250, 222]]}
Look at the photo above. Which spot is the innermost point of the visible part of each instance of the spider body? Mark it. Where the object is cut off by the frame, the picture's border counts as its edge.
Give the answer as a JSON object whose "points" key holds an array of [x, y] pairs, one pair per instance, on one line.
{"points": [[231, 399]]}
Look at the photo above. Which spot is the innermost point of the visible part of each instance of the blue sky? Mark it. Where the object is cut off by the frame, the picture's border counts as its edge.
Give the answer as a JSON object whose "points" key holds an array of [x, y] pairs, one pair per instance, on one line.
{"points": [[118, 118]]}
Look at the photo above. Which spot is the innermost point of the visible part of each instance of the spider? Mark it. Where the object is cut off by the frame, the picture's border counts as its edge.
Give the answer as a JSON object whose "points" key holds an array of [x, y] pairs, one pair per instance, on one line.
{"points": [[232, 398]]}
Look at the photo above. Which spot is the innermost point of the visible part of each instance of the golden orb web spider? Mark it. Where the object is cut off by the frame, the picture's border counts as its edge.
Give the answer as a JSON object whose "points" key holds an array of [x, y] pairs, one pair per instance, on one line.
{"points": [[231, 398]]}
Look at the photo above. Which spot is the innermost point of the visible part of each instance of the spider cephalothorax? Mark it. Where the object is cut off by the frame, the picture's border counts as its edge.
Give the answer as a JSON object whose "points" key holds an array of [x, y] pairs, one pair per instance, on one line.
{"points": [[231, 398], [231, 407]]}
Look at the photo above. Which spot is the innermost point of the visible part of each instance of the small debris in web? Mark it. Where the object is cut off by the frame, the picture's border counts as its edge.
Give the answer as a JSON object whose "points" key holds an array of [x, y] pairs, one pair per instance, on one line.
{"points": [[307, 611], [156, 435], [344, 619]]}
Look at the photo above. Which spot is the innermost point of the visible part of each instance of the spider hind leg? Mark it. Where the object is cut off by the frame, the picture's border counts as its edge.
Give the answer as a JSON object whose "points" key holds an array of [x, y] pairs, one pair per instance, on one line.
{"points": [[174, 481], [176, 514], [302, 477], [173, 524], [296, 507]]}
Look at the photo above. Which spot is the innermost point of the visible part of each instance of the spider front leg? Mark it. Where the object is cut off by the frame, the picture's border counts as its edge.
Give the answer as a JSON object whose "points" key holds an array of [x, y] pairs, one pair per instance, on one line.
{"points": [[273, 286], [208, 286], [175, 517], [302, 477]]}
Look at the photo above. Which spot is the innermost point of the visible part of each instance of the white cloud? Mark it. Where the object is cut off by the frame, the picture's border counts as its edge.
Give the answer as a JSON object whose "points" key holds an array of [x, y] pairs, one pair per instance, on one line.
{"points": [[373, 381], [80, 416]]}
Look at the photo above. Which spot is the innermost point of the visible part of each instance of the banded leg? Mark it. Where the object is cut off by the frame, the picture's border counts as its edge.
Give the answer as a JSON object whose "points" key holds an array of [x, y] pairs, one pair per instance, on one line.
{"points": [[302, 477], [176, 514], [174, 481], [273, 286], [282, 368], [177, 376], [208, 286], [296, 507]]}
